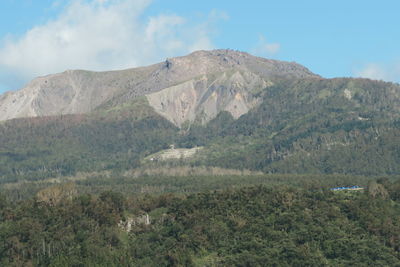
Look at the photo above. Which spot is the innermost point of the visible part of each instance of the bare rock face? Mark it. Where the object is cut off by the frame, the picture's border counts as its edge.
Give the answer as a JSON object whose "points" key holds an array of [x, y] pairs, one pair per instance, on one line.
{"points": [[201, 99], [70, 92], [189, 88]]}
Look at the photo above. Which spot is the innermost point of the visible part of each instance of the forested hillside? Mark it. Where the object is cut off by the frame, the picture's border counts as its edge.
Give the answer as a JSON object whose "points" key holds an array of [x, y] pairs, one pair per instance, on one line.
{"points": [[312, 126], [250, 226], [39, 148], [347, 126]]}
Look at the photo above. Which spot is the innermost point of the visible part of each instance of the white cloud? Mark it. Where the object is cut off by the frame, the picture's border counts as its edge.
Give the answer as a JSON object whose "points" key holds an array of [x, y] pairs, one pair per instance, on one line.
{"points": [[102, 35], [264, 48], [375, 71]]}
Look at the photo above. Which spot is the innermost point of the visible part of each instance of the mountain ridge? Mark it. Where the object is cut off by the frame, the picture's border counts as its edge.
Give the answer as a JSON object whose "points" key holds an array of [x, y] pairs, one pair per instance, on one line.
{"points": [[81, 91], [243, 118]]}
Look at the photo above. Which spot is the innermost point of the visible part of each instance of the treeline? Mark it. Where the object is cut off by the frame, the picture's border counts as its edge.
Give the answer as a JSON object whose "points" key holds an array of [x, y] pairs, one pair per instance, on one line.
{"points": [[140, 183], [250, 226]]}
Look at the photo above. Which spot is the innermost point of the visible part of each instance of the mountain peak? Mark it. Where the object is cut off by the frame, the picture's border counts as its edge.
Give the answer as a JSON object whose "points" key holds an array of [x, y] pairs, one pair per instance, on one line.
{"points": [[79, 91], [227, 58]]}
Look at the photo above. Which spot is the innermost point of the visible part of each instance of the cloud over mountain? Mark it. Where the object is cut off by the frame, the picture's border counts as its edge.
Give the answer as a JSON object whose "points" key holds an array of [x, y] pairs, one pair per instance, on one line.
{"points": [[99, 35], [264, 48], [375, 71]]}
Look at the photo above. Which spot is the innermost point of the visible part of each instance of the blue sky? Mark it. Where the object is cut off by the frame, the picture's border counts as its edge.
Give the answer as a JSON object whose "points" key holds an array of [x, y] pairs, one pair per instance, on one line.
{"points": [[332, 38]]}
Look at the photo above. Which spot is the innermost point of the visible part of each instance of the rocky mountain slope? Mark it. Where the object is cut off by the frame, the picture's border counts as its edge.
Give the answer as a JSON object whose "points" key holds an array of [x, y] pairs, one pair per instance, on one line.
{"points": [[185, 88], [245, 112]]}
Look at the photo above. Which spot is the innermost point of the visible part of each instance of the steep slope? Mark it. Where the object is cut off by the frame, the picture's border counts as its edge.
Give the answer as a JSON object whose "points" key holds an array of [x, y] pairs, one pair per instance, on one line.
{"points": [[74, 92], [247, 113], [201, 99], [310, 126], [348, 126]]}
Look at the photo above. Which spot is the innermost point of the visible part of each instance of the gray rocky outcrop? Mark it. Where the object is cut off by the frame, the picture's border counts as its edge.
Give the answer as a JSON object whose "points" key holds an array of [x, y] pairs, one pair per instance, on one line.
{"points": [[193, 87]]}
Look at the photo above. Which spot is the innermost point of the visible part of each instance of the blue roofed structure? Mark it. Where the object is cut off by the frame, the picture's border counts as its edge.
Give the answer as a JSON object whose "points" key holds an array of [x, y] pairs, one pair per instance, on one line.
{"points": [[354, 187]]}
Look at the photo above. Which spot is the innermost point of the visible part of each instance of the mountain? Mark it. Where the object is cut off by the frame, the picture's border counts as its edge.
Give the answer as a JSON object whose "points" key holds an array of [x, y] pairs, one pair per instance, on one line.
{"points": [[245, 112], [180, 88], [341, 125]]}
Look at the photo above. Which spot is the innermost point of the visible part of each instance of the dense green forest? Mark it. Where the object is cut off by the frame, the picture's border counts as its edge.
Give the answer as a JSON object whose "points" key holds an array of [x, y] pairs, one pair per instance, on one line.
{"points": [[38, 148], [189, 182], [237, 226]]}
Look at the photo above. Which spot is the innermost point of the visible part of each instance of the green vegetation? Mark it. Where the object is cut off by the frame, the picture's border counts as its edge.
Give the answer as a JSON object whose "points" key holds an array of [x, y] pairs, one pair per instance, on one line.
{"points": [[295, 130], [40, 148], [193, 180], [245, 226], [319, 126], [76, 190]]}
